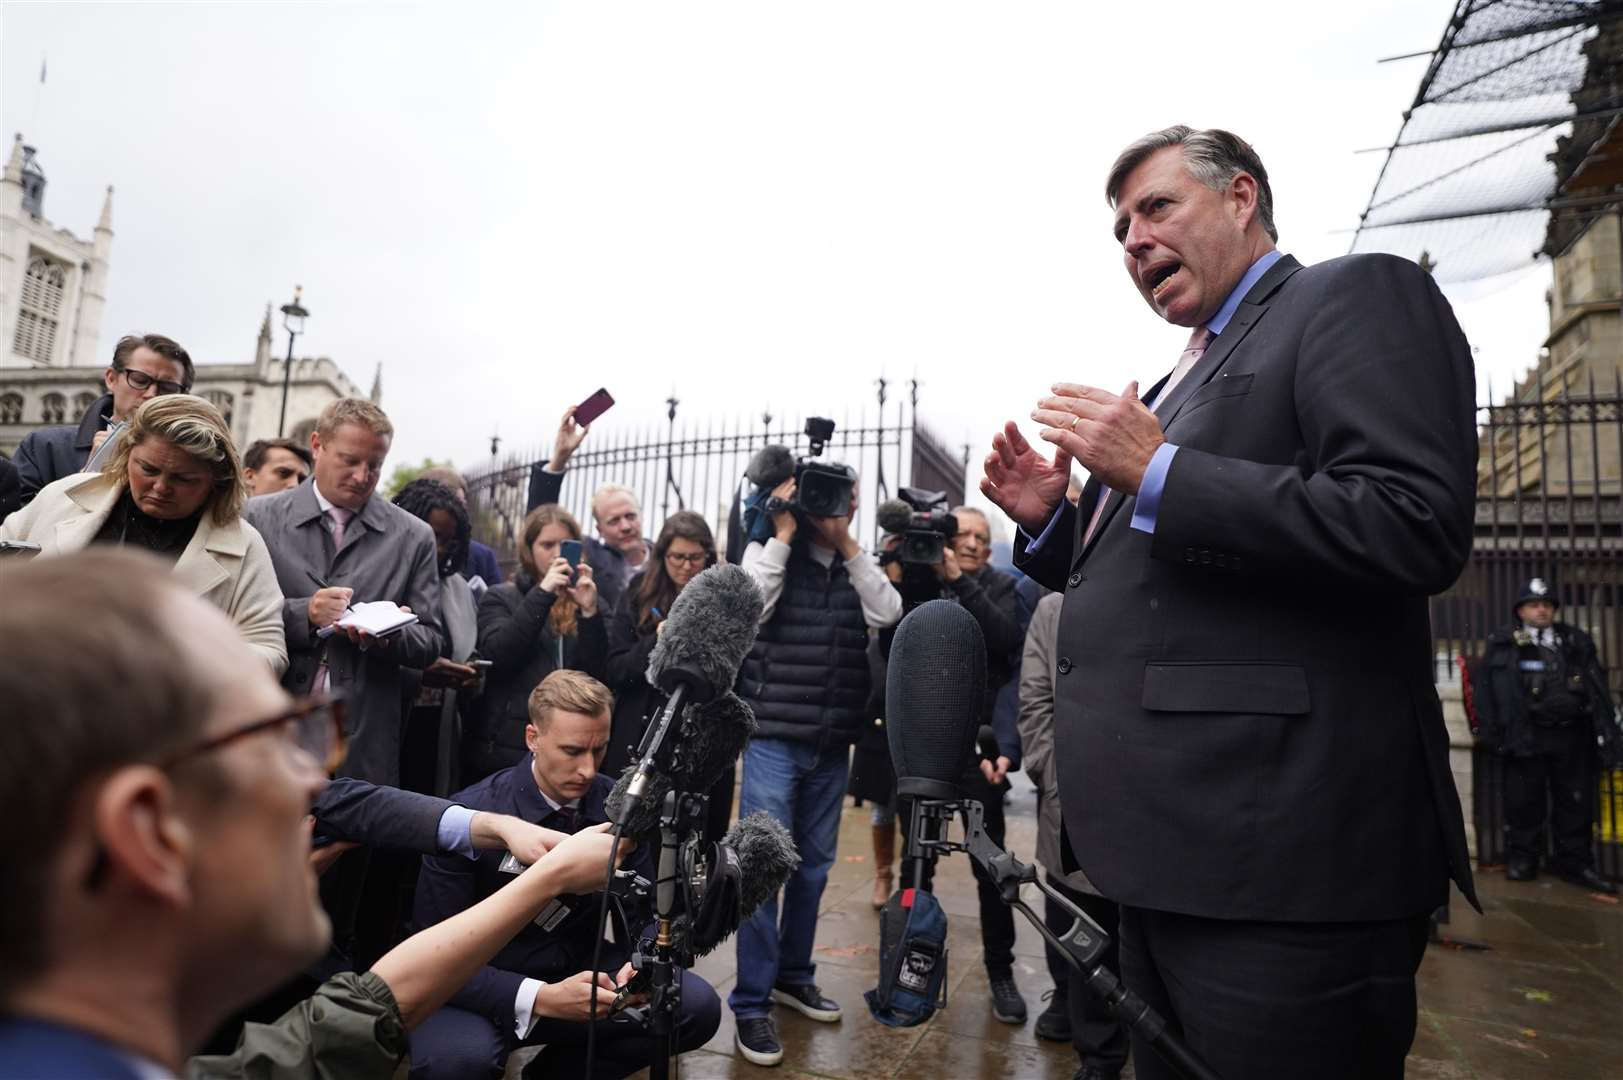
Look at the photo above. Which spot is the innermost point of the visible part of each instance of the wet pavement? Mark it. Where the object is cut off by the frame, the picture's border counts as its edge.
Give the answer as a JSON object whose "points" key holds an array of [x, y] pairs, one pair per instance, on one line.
{"points": [[1545, 1001]]}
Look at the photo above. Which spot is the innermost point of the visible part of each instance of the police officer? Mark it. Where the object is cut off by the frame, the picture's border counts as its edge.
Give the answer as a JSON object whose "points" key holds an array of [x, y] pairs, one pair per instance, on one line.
{"points": [[1543, 704]]}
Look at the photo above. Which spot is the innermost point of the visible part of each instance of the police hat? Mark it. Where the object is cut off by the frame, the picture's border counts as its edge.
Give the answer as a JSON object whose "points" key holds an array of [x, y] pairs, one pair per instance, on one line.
{"points": [[1536, 589]]}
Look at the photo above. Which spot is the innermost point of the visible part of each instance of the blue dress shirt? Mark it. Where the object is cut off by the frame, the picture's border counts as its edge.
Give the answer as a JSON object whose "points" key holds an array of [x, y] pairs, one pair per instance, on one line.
{"points": [[1148, 504]]}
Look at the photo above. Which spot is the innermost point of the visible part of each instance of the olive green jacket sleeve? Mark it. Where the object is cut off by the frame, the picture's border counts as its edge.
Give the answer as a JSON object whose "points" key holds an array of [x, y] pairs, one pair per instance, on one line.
{"points": [[348, 1029]]}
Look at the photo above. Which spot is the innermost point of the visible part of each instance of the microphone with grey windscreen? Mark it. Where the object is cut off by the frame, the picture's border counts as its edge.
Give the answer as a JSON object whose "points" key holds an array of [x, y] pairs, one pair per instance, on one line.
{"points": [[710, 630]]}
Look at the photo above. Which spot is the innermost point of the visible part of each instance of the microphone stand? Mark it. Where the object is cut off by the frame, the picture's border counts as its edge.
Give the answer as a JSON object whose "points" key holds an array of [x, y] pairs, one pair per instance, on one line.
{"points": [[653, 741], [1082, 946]]}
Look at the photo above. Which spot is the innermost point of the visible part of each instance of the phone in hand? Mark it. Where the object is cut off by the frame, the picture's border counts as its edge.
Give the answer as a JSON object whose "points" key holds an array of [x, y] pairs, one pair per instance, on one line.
{"points": [[593, 407], [571, 552]]}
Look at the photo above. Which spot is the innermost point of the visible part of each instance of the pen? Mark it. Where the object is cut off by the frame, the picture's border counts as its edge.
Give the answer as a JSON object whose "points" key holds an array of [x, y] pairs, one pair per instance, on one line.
{"points": [[315, 577]]}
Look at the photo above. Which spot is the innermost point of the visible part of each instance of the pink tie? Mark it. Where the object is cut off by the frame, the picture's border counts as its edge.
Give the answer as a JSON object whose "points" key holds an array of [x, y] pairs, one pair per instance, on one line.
{"points": [[1192, 352], [339, 517]]}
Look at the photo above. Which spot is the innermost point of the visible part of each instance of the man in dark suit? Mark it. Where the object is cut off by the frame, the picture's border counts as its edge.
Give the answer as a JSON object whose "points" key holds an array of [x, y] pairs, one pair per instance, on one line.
{"points": [[537, 989], [1244, 674], [144, 366]]}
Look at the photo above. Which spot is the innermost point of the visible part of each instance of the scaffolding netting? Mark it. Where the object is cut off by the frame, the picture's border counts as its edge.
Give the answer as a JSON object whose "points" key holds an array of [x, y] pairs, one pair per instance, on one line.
{"points": [[1514, 88]]}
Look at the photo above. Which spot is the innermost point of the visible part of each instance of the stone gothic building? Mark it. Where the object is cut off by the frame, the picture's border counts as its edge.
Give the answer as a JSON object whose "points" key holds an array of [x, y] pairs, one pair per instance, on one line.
{"points": [[53, 290]]}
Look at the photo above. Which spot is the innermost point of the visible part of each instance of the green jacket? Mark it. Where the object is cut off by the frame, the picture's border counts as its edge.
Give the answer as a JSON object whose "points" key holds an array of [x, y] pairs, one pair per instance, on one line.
{"points": [[349, 1029]]}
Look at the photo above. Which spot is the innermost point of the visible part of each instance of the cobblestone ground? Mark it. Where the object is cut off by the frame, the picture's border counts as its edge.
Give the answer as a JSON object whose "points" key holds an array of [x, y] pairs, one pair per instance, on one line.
{"points": [[1545, 1001]]}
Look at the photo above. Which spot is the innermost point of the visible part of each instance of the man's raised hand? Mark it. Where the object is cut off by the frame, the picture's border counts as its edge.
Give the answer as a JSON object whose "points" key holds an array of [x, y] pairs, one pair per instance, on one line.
{"points": [[1023, 483]]}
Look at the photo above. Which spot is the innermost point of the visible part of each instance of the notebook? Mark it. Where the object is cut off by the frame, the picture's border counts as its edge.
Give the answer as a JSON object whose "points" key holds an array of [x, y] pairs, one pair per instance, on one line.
{"points": [[380, 618]]}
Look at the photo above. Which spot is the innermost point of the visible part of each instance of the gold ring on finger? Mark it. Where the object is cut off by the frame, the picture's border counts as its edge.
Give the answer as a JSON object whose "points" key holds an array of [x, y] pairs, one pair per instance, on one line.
{"points": [[1075, 420]]}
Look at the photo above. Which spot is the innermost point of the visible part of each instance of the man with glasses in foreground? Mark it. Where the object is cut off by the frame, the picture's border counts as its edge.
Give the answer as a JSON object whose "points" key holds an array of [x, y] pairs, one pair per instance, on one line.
{"points": [[144, 366], [164, 878]]}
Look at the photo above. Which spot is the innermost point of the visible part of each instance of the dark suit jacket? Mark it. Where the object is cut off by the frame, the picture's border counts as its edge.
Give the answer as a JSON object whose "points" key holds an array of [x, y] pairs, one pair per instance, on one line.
{"points": [[387, 555], [385, 817], [1245, 697], [450, 883], [40, 1048], [11, 497], [54, 452], [482, 562]]}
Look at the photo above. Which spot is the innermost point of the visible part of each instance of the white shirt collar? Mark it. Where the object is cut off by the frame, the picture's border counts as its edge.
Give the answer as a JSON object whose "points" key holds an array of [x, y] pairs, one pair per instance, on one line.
{"points": [[321, 500], [573, 804]]}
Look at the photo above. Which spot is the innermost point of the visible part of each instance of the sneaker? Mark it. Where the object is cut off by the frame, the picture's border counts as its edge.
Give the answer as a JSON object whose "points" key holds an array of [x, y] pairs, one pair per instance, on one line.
{"points": [[1007, 1004], [757, 1040], [808, 1001], [1054, 1023]]}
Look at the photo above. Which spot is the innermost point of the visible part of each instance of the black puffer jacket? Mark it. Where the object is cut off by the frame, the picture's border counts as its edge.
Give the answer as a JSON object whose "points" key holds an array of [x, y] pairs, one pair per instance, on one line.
{"points": [[516, 638], [807, 676]]}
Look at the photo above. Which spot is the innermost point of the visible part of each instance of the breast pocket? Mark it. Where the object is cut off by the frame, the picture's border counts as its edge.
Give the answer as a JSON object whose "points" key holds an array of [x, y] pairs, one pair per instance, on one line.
{"points": [[1219, 687], [1233, 385]]}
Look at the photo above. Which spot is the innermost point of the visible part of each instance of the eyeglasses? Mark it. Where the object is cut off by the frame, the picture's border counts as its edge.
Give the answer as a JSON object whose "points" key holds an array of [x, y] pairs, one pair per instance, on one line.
{"points": [[686, 560], [317, 725], [318, 730], [140, 380]]}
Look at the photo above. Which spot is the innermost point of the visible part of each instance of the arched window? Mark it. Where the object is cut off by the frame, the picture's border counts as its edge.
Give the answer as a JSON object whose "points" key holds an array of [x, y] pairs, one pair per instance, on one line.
{"points": [[82, 403], [40, 310], [11, 408], [54, 409], [221, 400]]}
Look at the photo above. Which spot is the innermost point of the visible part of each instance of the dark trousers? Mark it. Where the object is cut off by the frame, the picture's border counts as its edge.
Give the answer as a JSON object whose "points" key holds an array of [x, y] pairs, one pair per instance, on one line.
{"points": [[455, 1044], [997, 918], [1554, 783], [1099, 1037], [1277, 1001]]}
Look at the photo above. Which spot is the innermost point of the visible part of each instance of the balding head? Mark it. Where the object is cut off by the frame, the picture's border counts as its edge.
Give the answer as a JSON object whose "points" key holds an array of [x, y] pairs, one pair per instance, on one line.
{"points": [[155, 845]]}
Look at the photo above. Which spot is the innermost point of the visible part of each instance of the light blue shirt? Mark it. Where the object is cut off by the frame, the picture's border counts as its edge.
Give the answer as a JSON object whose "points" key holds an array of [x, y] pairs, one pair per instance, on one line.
{"points": [[455, 832], [1148, 504]]}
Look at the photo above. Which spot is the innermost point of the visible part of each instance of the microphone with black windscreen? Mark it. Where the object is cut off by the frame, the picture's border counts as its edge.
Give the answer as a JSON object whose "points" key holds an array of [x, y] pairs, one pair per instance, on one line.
{"points": [[933, 694]]}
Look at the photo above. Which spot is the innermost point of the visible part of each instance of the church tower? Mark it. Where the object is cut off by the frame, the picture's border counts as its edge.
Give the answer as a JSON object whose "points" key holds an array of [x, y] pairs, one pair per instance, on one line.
{"points": [[53, 285]]}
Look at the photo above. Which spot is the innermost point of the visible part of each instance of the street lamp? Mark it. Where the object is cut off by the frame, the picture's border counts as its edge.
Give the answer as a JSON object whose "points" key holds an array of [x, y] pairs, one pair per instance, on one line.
{"points": [[293, 316]]}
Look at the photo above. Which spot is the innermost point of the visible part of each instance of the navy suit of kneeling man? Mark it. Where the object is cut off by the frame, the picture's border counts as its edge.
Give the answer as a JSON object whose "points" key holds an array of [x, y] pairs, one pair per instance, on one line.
{"points": [[536, 990]]}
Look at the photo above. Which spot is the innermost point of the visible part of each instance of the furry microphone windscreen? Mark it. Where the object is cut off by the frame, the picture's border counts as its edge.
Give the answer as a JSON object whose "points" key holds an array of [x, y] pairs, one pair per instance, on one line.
{"points": [[706, 746], [766, 857], [770, 467], [894, 516], [711, 627]]}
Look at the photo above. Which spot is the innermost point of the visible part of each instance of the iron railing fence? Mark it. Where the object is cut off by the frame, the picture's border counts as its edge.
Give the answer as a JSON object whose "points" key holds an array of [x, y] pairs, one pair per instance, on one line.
{"points": [[1549, 505], [700, 465]]}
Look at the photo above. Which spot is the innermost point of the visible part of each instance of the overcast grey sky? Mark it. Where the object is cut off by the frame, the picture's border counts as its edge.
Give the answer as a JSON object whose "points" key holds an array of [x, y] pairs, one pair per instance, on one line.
{"points": [[509, 205]]}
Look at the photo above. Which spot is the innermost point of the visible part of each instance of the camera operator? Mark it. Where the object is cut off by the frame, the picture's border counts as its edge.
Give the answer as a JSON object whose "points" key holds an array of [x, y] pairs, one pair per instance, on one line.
{"points": [[807, 680], [965, 574]]}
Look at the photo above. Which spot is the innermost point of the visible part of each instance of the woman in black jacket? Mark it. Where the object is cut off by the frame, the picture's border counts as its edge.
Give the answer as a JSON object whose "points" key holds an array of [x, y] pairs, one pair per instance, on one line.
{"points": [[528, 627], [684, 548]]}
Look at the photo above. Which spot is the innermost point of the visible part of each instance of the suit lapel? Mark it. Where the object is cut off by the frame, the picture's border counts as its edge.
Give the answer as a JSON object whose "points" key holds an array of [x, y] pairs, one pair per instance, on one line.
{"points": [[197, 568], [1249, 313]]}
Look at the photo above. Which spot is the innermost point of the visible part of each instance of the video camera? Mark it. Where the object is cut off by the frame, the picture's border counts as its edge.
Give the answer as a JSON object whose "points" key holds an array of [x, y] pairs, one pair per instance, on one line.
{"points": [[822, 489], [921, 519]]}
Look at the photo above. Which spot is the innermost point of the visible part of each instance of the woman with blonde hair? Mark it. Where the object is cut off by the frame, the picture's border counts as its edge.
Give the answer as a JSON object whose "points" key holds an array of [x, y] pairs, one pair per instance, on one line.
{"points": [[546, 618], [174, 488]]}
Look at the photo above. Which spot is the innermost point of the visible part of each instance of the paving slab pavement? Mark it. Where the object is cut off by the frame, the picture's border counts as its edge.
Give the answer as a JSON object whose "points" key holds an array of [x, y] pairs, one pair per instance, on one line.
{"points": [[1545, 1001]]}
